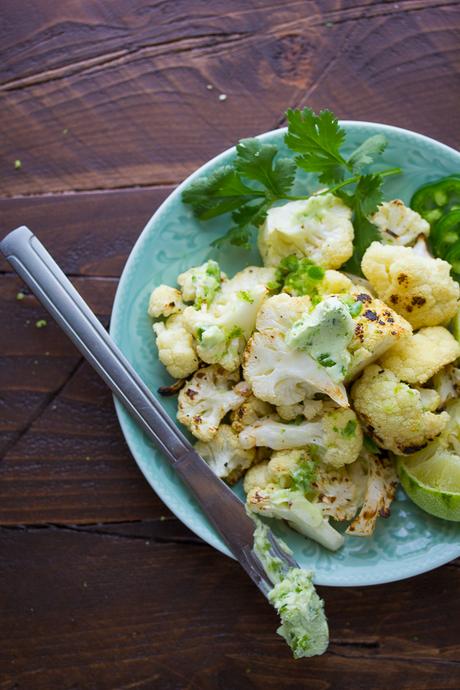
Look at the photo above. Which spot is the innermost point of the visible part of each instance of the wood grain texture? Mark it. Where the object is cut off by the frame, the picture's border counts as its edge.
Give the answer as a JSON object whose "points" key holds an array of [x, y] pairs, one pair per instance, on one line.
{"points": [[119, 610], [102, 95], [89, 234], [107, 107]]}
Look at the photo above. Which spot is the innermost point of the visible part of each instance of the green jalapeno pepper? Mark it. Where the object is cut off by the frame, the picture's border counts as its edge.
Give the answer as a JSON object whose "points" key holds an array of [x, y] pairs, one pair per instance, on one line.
{"points": [[445, 234], [435, 199]]}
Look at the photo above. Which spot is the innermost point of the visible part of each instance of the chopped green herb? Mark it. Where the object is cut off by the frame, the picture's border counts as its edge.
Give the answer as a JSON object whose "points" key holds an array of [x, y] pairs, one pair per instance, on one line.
{"points": [[20, 296], [245, 296], [41, 323], [304, 476], [17, 164], [297, 276], [235, 332], [355, 309], [349, 429], [325, 360]]}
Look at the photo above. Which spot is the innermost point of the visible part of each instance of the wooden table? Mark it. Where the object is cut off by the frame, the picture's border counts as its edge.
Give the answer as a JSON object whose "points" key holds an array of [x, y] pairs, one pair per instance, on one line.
{"points": [[106, 106]]}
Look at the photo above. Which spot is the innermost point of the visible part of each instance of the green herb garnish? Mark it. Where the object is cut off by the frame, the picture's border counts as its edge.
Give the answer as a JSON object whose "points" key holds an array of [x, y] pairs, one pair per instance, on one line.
{"points": [[259, 177]]}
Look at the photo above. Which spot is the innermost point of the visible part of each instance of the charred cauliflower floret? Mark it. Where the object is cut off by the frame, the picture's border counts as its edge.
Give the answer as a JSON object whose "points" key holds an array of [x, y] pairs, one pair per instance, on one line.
{"points": [[418, 357], [377, 328], [318, 228], [336, 436], [176, 347], [225, 456], [447, 384], [398, 418], [380, 483], [417, 287], [207, 397], [165, 301], [399, 224], [250, 412]]}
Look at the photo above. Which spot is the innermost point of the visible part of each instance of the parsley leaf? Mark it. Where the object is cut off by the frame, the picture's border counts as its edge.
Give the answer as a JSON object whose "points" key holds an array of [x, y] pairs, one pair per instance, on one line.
{"points": [[363, 202], [318, 139]]}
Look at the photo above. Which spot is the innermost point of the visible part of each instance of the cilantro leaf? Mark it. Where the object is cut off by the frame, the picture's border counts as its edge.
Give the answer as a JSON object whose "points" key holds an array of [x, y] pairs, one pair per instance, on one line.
{"points": [[318, 139], [256, 162], [222, 191], [237, 236], [366, 152], [363, 202]]}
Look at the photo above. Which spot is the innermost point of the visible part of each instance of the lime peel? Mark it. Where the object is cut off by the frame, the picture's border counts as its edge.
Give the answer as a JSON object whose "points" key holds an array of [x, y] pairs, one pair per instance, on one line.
{"points": [[433, 484]]}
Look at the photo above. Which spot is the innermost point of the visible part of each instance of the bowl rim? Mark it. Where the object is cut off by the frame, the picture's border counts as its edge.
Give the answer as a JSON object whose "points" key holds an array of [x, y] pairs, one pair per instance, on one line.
{"points": [[448, 554]]}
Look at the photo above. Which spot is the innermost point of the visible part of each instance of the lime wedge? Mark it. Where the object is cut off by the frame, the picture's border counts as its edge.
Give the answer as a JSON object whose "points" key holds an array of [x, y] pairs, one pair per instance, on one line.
{"points": [[433, 483]]}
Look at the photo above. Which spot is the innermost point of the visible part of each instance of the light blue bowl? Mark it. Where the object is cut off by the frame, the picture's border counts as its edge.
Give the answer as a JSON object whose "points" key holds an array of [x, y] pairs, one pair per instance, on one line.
{"points": [[407, 543]]}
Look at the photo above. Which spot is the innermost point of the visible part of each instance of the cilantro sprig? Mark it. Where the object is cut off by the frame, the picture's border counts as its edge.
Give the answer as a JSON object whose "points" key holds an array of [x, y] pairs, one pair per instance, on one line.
{"points": [[260, 177]]}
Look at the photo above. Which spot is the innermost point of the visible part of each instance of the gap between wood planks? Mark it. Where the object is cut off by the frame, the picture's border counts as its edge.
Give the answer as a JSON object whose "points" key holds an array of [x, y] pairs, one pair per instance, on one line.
{"points": [[95, 190], [41, 408], [103, 530], [336, 17]]}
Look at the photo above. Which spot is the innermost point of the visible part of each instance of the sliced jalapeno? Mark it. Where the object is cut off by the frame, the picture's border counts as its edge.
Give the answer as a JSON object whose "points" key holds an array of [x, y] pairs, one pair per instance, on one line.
{"points": [[435, 199], [445, 233]]}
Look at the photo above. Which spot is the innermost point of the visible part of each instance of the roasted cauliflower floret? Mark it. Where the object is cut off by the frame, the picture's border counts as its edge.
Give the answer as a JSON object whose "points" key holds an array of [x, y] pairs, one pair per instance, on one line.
{"points": [[393, 413], [334, 283], [318, 228], [278, 372], [207, 397], [418, 357], [222, 328], [256, 476], [289, 413], [336, 436], [225, 456], [201, 284], [447, 384], [399, 224], [281, 311], [250, 412], [291, 505], [380, 483], [417, 287], [176, 348], [377, 328], [283, 375], [165, 301]]}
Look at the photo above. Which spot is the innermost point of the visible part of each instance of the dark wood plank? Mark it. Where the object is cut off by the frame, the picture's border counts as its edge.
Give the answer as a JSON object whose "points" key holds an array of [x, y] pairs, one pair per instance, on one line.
{"points": [[87, 233], [143, 114], [64, 457], [83, 610]]}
